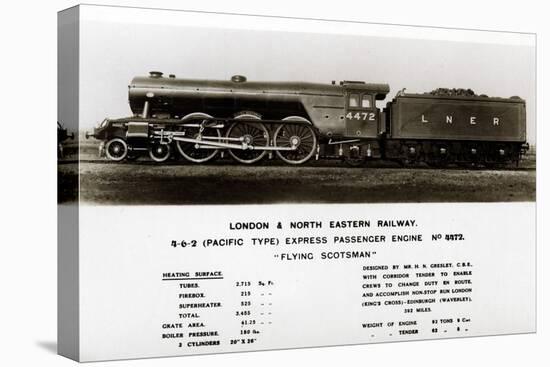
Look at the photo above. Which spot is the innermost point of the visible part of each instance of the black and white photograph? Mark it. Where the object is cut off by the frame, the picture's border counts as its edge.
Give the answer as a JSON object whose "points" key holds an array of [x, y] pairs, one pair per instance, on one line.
{"points": [[214, 113]]}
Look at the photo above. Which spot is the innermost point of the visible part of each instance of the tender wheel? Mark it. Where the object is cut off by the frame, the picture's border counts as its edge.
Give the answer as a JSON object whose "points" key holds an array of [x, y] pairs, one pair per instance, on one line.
{"points": [[159, 152], [300, 136], [411, 155], [440, 156], [189, 150], [116, 149], [253, 133], [471, 156]]}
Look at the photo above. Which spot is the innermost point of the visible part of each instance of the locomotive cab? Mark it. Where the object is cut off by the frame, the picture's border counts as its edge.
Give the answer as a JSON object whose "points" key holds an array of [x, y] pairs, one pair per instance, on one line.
{"points": [[362, 117]]}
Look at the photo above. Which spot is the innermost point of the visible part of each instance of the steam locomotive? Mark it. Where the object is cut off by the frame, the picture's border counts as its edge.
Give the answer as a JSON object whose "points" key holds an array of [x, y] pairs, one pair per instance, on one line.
{"points": [[200, 120]]}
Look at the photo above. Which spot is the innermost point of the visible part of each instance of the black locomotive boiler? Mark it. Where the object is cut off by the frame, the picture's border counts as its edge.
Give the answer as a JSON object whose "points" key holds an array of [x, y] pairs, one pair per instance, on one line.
{"points": [[296, 121]]}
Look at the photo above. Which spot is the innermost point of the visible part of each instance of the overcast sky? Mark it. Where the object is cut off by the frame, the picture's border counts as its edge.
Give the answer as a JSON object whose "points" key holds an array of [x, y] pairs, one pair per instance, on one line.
{"points": [[112, 53]]}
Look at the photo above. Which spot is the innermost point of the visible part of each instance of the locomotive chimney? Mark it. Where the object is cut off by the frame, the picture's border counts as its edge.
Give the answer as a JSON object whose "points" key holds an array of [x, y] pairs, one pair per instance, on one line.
{"points": [[238, 78], [155, 74]]}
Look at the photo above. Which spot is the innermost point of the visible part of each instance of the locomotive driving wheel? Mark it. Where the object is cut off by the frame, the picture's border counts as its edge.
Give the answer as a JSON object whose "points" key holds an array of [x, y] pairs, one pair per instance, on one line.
{"points": [[116, 149], [298, 136], [190, 151], [253, 134], [159, 152]]}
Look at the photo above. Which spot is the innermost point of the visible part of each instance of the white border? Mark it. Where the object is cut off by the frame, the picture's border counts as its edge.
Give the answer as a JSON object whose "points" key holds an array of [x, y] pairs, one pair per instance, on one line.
{"points": [[268, 23]]}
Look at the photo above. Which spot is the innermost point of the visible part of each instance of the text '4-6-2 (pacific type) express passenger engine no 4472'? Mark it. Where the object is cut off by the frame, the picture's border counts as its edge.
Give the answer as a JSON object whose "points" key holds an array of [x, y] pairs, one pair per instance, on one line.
{"points": [[199, 120]]}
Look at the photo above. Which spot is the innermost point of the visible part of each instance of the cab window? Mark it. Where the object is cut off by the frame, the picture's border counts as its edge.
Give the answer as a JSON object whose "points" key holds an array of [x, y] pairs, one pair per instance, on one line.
{"points": [[353, 100], [366, 101]]}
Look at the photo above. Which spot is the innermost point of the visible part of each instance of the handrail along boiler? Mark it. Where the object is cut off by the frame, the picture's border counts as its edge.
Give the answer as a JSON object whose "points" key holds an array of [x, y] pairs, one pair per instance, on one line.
{"points": [[295, 121]]}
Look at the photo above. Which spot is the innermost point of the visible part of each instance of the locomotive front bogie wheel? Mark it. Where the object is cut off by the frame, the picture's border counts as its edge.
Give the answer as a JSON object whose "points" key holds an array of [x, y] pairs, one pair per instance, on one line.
{"points": [[116, 149], [301, 137], [159, 152], [189, 150], [253, 134]]}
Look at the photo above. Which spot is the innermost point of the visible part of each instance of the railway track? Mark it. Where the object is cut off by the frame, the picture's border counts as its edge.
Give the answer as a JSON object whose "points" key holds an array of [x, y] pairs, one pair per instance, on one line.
{"points": [[524, 166]]}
